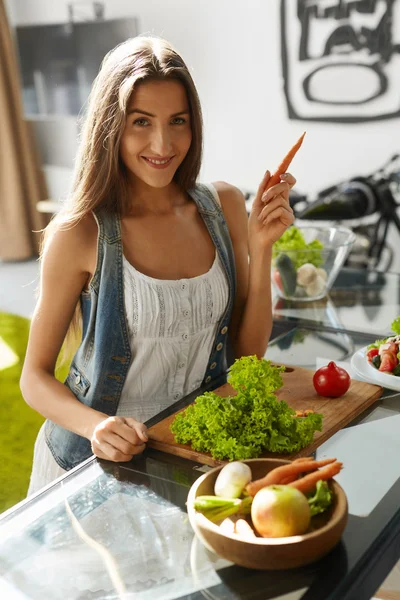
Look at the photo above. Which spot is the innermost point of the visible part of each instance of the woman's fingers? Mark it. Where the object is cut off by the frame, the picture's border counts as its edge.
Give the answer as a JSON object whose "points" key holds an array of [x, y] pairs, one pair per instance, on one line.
{"points": [[129, 429], [119, 438], [273, 205], [279, 189], [139, 428], [257, 200], [262, 195], [288, 178], [121, 444], [108, 452], [285, 215]]}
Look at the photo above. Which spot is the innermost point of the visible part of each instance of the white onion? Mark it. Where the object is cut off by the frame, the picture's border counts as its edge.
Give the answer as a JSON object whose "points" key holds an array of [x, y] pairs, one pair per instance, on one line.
{"points": [[232, 480]]}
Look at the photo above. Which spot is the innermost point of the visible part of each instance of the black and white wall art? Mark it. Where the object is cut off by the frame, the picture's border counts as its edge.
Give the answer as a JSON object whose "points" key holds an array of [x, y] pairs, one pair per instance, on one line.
{"points": [[341, 59]]}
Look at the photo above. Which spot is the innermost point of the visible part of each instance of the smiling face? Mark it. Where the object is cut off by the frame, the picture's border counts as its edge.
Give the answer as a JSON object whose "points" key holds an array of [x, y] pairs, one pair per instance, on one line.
{"points": [[157, 133]]}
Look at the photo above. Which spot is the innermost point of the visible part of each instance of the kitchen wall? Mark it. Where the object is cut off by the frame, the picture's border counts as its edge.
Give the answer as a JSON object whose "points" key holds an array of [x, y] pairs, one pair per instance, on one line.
{"points": [[233, 50]]}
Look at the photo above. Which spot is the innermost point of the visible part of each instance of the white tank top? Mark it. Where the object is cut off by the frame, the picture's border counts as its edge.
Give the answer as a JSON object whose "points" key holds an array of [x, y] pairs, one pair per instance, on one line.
{"points": [[172, 326]]}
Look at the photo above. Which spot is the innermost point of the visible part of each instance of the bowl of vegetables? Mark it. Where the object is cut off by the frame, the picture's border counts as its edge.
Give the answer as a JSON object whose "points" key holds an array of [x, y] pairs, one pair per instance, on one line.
{"points": [[268, 513], [307, 260]]}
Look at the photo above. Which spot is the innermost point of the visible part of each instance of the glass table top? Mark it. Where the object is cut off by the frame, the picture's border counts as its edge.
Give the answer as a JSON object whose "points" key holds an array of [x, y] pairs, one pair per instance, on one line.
{"points": [[362, 301]]}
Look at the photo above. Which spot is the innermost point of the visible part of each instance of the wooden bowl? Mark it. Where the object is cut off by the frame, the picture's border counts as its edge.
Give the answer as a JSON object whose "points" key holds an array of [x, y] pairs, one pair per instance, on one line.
{"points": [[269, 553]]}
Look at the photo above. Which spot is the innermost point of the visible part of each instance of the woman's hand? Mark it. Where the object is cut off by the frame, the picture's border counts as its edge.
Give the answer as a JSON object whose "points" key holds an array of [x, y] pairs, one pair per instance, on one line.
{"points": [[271, 213], [119, 439]]}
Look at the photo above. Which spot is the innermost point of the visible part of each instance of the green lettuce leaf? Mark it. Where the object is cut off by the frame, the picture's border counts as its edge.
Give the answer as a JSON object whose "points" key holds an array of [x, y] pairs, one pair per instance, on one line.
{"points": [[321, 499], [293, 244], [396, 326], [245, 425]]}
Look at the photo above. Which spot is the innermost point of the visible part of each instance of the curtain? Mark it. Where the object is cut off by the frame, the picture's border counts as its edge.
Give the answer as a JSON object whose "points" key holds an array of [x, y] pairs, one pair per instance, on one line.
{"points": [[21, 179]]}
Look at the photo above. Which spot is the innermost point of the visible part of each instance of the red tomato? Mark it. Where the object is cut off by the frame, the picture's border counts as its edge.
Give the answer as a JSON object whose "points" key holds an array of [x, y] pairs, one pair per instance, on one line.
{"points": [[331, 381], [371, 353]]}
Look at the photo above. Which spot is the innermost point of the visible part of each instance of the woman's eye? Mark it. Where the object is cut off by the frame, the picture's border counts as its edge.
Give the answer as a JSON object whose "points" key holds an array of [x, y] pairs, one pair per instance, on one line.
{"points": [[141, 122], [178, 121]]}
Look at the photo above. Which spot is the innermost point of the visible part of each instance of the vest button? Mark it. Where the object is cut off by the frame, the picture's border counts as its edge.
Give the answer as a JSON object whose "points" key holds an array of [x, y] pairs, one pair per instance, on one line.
{"points": [[208, 379], [77, 379], [220, 346], [224, 330], [213, 365]]}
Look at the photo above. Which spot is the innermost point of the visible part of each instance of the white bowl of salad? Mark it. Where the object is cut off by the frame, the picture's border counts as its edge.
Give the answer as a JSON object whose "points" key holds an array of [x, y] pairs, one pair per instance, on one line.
{"points": [[379, 363], [384, 355]]}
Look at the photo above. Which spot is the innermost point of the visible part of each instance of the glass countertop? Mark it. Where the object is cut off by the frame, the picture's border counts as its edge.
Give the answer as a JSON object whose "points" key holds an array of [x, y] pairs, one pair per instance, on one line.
{"points": [[361, 301]]}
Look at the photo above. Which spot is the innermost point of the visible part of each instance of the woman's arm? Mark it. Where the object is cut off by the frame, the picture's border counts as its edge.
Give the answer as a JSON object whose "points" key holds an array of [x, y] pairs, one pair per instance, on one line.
{"points": [[68, 262], [252, 239]]}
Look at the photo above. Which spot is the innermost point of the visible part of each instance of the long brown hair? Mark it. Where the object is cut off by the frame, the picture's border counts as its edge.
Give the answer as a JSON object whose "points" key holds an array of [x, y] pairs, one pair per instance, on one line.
{"points": [[100, 178]]}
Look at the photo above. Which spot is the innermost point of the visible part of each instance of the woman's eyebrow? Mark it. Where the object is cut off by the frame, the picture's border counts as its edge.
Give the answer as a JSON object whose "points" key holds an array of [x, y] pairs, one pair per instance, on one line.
{"points": [[144, 112]]}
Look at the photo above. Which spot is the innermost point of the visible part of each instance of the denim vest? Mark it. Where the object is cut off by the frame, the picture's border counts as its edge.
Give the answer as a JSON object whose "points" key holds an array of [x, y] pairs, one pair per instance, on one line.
{"points": [[100, 365]]}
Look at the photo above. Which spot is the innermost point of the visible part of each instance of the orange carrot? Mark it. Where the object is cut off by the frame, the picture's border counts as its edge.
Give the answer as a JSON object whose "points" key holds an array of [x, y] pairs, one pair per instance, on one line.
{"points": [[283, 167], [303, 459], [308, 482], [287, 480], [286, 472]]}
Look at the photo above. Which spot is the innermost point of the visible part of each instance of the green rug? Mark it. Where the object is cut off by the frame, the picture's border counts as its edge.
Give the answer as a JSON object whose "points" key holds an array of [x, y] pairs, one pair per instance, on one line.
{"points": [[19, 423]]}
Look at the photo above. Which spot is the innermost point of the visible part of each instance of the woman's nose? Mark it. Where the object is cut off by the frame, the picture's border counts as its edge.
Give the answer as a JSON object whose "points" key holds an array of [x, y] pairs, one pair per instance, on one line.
{"points": [[161, 141]]}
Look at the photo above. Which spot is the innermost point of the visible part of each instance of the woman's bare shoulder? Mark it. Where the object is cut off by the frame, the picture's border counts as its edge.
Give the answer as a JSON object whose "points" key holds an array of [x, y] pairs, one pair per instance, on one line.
{"points": [[76, 241], [228, 192], [234, 208]]}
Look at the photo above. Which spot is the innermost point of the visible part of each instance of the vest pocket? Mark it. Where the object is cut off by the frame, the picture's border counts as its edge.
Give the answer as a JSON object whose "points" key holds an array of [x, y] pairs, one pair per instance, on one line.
{"points": [[77, 381]]}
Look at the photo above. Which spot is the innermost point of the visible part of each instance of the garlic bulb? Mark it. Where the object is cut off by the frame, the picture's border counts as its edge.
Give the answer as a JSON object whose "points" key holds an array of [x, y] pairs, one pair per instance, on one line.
{"points": [[316, 287], [306, 274], [322, 273]]}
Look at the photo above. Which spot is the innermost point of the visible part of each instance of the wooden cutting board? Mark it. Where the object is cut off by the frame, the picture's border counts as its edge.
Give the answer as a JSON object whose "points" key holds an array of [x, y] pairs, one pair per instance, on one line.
{"points": [[298, 391]]}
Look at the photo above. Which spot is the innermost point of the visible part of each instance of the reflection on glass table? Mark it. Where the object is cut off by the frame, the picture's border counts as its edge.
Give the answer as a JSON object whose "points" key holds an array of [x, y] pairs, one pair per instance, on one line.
{"points": [[360, 300], [114, 536], [301, 346]]}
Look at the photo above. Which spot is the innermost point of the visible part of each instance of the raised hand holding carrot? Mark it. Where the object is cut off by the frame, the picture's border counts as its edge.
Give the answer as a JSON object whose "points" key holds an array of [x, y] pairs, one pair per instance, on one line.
{"points": [[283, 167], [271, 213]]}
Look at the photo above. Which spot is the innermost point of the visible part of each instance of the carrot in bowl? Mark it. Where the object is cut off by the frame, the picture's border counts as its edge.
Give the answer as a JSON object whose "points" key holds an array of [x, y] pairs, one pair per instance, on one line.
{"points": [[283, 167], [307, 483], [286, 473]]}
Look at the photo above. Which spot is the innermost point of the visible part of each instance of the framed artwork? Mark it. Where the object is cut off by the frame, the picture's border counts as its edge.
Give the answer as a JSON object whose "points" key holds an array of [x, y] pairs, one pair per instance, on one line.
{"points": [[341, 59]]}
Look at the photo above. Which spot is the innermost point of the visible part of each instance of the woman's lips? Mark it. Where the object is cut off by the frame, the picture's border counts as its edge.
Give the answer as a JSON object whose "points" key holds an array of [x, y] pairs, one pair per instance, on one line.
{"points": [[158, 163]]}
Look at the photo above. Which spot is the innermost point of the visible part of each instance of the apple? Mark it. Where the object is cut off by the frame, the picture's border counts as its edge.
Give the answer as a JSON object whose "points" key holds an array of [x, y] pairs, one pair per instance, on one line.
{"points": [[280, 511]]}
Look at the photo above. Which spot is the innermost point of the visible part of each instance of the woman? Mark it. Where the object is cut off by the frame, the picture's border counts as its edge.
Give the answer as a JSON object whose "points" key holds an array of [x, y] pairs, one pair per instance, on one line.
{"points": [[162, 270]]}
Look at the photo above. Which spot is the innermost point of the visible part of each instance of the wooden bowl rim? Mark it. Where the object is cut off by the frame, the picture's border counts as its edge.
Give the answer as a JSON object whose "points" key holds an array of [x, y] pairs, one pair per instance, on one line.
{"points": [[260, 541]]}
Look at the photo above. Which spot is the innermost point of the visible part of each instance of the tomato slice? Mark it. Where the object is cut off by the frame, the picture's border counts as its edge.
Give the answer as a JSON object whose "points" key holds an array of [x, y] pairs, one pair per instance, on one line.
{"points": [[388, 362], [371, 353], [388, 347]]}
